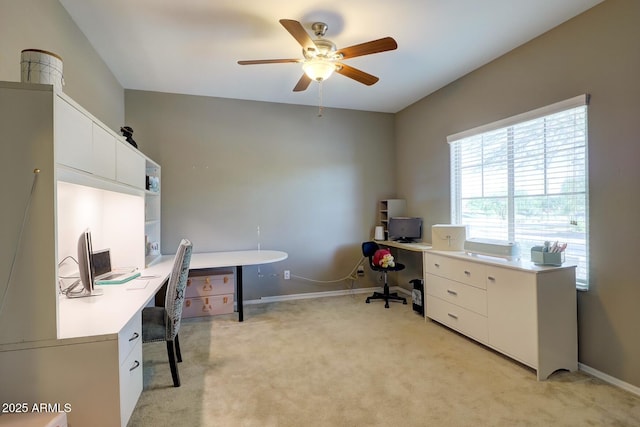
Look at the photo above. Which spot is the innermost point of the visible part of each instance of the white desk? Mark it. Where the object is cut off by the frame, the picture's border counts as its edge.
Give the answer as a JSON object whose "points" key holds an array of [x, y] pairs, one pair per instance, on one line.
{"points": [[99, 345], [107, 314], [414, 247]]}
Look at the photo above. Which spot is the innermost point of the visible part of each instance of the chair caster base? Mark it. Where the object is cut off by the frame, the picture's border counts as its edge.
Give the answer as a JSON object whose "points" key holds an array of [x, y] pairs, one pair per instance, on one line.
{"points": [[393, 296]]}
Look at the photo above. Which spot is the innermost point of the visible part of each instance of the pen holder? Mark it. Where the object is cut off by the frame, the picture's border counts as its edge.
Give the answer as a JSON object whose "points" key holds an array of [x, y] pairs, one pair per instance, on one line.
{"points": [[539, 257]]}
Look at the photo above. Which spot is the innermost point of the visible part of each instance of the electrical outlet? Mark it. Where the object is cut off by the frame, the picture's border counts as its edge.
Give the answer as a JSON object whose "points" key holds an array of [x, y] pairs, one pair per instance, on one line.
{"points": [[287, 275], [360, 271]]}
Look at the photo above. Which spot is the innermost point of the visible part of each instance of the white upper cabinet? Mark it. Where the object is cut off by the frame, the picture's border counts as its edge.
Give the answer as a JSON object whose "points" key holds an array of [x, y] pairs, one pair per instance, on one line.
{"points": [[104, 153], [130, 166], [73, 136], [84, 143]]}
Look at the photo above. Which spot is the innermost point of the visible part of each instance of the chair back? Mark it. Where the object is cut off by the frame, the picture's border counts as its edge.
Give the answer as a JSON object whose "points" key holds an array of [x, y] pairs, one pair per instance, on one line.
{"points": [[174, 299], [368, 250]]}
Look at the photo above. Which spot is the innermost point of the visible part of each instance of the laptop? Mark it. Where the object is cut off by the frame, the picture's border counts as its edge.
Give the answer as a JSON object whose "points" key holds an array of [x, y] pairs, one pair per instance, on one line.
{"points": [[105, 275]]}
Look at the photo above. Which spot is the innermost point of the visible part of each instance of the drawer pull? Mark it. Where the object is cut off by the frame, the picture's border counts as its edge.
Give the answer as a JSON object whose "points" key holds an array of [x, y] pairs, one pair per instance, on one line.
{"points": [[136, 365], [450, 292], [453, 316], [493, 279], [135, 336], [437, 265], [467, 272]]}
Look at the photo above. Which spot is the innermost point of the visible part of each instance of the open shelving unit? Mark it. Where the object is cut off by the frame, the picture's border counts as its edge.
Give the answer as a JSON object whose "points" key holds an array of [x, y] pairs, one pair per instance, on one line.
{"points": [[388, 209], [152, 229]]}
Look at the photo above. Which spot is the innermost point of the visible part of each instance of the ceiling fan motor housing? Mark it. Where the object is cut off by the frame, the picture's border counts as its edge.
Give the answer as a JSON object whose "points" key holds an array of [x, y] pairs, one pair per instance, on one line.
{"points": [[324, 48]]}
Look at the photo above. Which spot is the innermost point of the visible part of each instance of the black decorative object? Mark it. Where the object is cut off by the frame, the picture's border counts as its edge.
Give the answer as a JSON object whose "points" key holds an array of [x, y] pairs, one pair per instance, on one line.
{"points": [[127, 132]]}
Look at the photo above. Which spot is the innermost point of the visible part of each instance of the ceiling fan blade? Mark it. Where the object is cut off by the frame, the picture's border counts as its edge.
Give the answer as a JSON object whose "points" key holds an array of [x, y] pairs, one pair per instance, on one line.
{"points": [[355, 74], [374, 46], [303, 83], [268, 61], [298, 32]]}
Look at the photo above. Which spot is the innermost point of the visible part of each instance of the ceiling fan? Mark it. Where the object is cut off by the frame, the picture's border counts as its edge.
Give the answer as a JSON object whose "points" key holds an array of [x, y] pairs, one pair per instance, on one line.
{"points": [[321, 58]]}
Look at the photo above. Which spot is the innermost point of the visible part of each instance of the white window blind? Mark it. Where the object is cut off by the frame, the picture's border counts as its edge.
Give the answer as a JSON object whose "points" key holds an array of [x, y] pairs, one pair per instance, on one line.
{"points": [[524, 179]]}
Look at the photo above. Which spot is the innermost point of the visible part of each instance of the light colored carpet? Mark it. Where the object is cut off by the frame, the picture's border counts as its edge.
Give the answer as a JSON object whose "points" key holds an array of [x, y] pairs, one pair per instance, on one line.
{"points": [[340, 362]]}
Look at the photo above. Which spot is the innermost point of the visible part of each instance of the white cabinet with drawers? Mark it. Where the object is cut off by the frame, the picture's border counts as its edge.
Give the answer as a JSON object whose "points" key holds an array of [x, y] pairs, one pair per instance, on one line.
{"points": [[524, 311], [455, 295]]}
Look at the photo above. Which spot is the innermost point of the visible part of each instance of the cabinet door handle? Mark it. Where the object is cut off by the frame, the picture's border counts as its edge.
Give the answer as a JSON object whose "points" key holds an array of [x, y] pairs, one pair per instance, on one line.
{"points": [[437, 265], [449, 291], [493, 279], [453, 316], [467, 272], [135, 336], [136, 365]]}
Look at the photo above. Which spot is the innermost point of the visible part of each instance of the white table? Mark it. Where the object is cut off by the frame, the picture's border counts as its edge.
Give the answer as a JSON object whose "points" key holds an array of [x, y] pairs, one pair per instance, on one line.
{"points": [[236, 259]]}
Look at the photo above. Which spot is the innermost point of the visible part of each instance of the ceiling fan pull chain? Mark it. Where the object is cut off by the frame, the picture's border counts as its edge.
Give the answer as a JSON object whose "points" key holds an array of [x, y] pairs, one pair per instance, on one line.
{"points": [[320, 107]]}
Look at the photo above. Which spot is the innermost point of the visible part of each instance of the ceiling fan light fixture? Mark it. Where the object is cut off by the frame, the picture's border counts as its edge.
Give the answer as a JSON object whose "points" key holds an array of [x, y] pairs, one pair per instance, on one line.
{"points": [[318, 69], [321, 58]]}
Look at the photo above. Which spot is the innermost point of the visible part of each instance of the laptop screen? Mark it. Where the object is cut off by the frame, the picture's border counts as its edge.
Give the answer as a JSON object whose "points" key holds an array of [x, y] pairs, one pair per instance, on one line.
{"points": [[102, 262]]}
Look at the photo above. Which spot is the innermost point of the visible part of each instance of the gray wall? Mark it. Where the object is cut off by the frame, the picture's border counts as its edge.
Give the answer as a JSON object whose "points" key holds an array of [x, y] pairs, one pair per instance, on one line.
{"points": [[46, 25], [311, 184], [596, 53]]}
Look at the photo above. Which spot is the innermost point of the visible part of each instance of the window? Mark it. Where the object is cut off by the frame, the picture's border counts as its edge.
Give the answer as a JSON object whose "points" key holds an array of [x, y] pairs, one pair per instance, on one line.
{"points": [[524, 179]]}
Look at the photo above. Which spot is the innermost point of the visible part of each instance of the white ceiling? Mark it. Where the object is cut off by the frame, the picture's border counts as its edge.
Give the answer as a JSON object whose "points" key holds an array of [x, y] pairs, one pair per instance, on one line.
{"points": [[192, 46]]}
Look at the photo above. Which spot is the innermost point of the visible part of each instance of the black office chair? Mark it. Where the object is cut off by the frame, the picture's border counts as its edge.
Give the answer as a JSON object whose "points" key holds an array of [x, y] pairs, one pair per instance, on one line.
{"points": [[368, 250], [163, 323]]}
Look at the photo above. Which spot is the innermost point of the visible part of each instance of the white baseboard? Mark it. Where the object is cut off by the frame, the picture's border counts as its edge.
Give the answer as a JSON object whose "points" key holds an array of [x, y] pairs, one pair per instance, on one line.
{"points": [[323, 294], [401, 290], [609, 379]]}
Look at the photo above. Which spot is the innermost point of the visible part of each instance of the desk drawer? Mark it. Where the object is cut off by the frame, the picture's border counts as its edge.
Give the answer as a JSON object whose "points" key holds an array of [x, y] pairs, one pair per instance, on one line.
{"points": [[130, 382], [129, 336], [458, 318], [471, 273], [457, 293], [208, 306], [214, 284]]}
